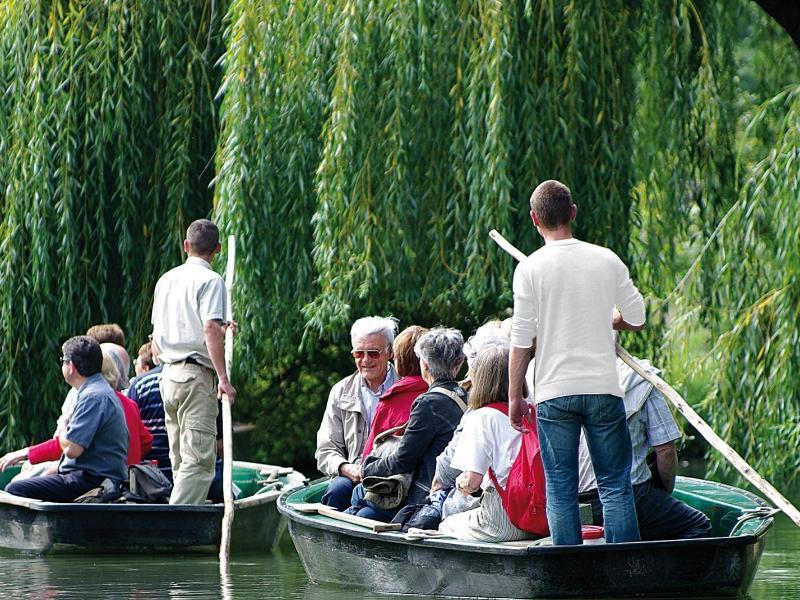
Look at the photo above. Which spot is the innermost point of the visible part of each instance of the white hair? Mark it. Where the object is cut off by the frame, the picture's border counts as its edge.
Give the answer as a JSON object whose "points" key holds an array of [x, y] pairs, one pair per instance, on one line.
{"points": [[386, 326], [493, 333], [442, 349]]}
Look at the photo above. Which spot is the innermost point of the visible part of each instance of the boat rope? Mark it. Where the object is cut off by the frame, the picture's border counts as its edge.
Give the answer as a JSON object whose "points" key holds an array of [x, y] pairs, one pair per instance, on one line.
{"points": [[748, 514]]}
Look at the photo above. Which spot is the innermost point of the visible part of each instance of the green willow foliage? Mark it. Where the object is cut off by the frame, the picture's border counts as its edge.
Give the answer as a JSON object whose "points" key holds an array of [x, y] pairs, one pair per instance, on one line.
{"points": [[107, 129]]}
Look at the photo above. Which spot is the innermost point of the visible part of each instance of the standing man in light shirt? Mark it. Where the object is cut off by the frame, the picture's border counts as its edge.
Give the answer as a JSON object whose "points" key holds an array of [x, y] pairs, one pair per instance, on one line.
{"points": [[565, 294], [189, 332]]}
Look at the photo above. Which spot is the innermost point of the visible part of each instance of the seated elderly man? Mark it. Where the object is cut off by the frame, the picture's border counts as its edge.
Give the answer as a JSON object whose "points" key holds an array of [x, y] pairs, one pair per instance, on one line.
{"points": [[351, 406], [434, 417], [650, 423], [95, 444]]}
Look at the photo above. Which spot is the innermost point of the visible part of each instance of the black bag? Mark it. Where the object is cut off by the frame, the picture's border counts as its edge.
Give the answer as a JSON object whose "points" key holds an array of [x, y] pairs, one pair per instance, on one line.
{"points": [[147, 485], [418, 516]]}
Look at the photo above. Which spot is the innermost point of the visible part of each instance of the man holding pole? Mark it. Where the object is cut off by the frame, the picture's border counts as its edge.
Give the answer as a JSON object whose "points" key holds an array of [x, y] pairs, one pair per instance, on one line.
{"points": [[564, 295], [189, 332]]}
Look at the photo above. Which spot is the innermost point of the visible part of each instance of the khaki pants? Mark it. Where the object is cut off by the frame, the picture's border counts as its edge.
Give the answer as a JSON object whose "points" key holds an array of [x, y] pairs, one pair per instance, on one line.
{"points": [[190, 412]]}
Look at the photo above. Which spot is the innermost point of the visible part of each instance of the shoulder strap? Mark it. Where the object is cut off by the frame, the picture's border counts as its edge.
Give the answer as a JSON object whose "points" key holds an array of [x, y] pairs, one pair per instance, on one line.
{"points": [[385, 434], [455, 397]]}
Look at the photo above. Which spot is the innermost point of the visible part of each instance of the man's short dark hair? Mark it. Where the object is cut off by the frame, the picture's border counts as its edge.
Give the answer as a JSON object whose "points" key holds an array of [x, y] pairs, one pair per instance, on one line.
{"points": [[85, 353], [551, 202], [107, 333], [203, 237]]}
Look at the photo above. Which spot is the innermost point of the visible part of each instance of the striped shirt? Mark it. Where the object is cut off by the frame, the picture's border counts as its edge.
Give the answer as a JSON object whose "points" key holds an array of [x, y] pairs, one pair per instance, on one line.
{"points": [[146, 392]]}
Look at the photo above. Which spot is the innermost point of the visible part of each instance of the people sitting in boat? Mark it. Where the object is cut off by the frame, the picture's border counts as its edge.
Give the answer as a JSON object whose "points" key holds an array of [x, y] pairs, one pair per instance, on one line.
{"points": [[487, 442], [140, 440], [434, 416], [443, 489], [95, 444], [145, 391], [144, 362], [651, 425], [351, 406], [394, 407]]}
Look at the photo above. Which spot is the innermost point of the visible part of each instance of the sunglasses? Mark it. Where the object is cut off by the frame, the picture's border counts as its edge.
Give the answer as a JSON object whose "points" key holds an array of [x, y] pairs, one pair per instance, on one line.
{"points": [[359, 354], [63, 360]]}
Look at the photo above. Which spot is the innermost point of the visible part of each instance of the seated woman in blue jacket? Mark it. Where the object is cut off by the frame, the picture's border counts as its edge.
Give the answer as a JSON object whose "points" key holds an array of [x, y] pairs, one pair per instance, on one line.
{"points": [[434, 416]]}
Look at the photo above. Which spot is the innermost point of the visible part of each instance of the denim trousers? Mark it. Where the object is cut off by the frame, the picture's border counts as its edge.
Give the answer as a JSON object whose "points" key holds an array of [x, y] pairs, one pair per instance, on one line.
{"points": [[369, 510], [661, 516], [338, 493], [602, 417]]}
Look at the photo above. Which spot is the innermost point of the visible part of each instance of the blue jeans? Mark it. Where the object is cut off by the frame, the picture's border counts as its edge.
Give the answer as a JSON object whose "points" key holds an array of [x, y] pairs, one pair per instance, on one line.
{"points": [[661, 516], [338, 493], [559, 424], [369, 510]]}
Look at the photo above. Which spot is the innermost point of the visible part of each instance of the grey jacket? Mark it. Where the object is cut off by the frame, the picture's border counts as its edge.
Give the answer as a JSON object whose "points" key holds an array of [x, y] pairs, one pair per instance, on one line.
{"points": [[343, 432]]}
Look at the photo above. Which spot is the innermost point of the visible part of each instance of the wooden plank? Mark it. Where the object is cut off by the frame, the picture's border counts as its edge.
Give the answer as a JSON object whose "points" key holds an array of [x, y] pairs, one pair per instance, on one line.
{"points": [[376, 526], [689, 413]]}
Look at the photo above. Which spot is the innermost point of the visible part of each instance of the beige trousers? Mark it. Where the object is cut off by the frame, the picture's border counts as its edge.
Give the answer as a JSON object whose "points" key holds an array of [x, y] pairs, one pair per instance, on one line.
{"points": [[190, 412]]}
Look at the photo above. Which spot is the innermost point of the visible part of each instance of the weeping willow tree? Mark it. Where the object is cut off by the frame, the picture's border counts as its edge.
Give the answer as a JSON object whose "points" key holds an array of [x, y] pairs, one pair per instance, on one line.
{"points": [[364, 150], [107, 130]]}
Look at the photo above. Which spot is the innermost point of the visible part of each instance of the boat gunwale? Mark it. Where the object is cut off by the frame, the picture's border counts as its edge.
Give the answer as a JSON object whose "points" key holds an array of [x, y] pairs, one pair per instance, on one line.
{"points": [[295, 481], [328, 524]]}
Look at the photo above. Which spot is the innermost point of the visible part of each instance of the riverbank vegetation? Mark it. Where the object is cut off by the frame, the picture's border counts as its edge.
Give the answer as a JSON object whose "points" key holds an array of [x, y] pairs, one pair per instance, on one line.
{"points": [[362, 150]]}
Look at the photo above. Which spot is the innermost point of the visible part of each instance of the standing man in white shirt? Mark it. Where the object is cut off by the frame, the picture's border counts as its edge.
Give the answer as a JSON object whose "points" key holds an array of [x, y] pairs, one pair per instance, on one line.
{"points": [[565, 294], [189, 332]]}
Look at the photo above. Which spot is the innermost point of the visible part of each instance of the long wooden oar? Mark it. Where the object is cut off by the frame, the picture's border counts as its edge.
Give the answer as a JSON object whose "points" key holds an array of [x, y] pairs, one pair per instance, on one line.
{"points": [[687, 411], [227, 441]]}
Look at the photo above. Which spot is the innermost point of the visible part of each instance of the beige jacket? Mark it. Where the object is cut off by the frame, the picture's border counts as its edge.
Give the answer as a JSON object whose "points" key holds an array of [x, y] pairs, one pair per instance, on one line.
{"points": [[344, 430]]}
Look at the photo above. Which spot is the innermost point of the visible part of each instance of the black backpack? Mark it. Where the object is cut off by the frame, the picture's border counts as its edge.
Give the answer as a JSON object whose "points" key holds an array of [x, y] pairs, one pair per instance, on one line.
{"points": [[147, 485]]}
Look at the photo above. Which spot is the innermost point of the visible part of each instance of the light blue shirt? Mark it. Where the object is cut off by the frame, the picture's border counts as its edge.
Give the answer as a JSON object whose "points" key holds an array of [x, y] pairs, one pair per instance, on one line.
{"points": [[369, 399]]}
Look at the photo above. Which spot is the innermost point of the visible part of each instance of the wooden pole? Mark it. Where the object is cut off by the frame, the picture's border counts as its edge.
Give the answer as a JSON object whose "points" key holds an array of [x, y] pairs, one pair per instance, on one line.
{"points": [[689, 413], [227, 441]]}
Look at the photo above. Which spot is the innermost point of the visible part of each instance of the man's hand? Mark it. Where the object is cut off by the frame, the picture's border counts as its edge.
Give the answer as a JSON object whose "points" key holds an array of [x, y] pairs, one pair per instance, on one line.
{"points": [[351, 471], [436, 485], [225, 388], [233, 326], [518, 411], [13, 458]]}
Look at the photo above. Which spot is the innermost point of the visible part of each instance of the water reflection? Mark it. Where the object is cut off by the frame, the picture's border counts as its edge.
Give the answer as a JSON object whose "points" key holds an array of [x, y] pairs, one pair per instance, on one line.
{"points": [[277, 575]]}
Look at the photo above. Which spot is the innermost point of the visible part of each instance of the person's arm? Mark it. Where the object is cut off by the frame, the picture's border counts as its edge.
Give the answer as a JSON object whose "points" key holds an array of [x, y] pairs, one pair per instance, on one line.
{"points": [[667, 463], [13, 458], [517, 405], [630, 311], [469, 482], [214, 332], [417, 438], [331, 452], [71, 449]]}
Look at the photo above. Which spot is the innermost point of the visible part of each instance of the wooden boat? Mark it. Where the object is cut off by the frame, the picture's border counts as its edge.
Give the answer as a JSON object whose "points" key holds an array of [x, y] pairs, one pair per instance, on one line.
{"points": [[350, 555], [46, 527]]}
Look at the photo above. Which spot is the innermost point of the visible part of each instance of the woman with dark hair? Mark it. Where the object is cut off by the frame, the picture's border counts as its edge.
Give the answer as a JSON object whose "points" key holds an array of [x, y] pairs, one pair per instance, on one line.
{"points": [[394, 407]]}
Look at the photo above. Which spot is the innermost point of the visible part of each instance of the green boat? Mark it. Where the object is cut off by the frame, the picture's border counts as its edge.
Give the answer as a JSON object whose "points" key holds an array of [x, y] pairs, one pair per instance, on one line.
{"points": [[353, 555], [38, 527]]}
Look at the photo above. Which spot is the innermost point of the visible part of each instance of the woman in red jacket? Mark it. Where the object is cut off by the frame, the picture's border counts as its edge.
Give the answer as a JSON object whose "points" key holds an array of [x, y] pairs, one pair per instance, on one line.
{"points": [[394, 407]]}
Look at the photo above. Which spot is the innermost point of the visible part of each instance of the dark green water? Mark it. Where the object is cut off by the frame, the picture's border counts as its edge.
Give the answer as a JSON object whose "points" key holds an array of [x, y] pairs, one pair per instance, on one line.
{"points": [[278, 575]]}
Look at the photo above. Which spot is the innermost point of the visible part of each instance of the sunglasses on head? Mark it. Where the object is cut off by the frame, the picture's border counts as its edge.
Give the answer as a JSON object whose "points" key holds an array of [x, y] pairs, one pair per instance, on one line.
{"points": [[359, 354]]}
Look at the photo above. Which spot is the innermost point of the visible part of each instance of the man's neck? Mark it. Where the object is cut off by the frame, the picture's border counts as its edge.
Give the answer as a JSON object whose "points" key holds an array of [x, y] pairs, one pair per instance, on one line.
{"points": [[555, 235], [206, 258]]}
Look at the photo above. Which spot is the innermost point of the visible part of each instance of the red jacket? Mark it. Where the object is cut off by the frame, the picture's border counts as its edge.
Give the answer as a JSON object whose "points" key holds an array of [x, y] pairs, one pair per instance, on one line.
{"points": [[394, 407], [139, 442]]}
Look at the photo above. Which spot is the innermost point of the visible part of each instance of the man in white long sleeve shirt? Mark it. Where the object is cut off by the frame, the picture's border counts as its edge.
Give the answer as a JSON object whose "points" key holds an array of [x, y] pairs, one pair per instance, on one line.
{"points": [[565, 294]]}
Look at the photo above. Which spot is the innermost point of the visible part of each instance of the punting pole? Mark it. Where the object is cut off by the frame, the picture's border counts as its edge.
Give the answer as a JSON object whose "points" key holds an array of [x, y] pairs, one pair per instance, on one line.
{"points": [[227, 441], [703, 428]]}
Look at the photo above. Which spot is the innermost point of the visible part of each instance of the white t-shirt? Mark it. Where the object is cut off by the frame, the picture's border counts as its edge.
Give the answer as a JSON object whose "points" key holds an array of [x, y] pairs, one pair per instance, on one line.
{"points": [[185, 298], [564, 295], [487, 440]]}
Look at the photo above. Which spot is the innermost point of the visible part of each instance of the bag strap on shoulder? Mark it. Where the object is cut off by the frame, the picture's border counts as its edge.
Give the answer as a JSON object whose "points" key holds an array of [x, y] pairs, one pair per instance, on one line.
{"points": [[455, 397]]}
